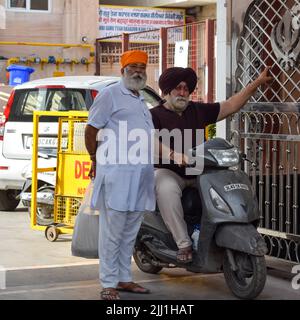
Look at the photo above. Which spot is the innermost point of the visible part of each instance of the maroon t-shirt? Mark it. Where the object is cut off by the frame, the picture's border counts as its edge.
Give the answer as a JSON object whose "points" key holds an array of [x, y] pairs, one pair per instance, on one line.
{"points": [[196, 116]]}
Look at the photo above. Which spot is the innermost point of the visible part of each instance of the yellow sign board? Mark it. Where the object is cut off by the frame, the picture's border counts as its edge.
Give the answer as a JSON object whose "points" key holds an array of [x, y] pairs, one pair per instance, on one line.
{"points": [[72, 175]]}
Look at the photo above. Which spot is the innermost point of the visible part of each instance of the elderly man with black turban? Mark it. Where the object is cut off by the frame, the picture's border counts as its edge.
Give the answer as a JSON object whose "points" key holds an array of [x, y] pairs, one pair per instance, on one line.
{"points": [[178, 112]]}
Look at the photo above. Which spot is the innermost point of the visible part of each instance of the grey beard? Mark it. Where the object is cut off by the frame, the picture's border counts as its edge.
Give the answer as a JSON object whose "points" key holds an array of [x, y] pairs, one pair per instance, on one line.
{"points": [[135, 84], [179, 104]]}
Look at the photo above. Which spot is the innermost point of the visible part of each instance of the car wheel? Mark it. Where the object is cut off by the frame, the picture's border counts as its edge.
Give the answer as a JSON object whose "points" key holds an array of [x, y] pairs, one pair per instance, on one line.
{"points": [[44, 212], [8, 201]]}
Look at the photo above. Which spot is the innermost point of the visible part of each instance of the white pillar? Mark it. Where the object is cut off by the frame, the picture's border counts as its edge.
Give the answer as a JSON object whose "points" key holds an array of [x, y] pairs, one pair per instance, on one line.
{"points": [[222, 60]]}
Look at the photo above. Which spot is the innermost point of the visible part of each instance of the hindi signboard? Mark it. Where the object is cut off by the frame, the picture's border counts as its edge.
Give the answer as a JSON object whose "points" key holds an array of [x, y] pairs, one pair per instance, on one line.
{"points": [[115, 20]]}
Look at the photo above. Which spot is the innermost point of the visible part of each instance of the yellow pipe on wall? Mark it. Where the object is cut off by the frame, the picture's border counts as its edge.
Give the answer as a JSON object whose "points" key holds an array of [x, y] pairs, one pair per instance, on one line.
{"points": [[43, 44]]}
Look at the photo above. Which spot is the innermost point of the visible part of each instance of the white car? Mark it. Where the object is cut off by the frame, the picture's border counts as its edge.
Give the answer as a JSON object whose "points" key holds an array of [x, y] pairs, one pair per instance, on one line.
{"points": [[16, 126]]}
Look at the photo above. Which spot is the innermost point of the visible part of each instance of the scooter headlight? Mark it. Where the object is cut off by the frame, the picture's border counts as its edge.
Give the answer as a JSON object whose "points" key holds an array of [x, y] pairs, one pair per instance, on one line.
{"points": [[226, 158], [218, 202]]}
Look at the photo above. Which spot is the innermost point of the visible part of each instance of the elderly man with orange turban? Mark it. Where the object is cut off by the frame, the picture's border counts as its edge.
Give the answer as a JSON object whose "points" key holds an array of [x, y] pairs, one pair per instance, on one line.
{"points": [[123, 187]]}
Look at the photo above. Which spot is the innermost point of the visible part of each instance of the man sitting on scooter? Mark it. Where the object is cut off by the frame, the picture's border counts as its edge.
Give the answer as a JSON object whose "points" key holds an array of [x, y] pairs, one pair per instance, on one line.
{"points": [[177, 111]]}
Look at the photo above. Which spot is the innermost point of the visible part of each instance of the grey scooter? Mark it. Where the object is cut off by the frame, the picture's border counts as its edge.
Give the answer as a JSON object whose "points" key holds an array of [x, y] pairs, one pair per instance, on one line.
{"points": [[226, 207]]}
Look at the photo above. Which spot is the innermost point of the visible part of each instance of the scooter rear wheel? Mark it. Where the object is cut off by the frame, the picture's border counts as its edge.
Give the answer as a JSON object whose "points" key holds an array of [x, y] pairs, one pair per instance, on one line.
{"points": [[142, 261], [249, 279]]}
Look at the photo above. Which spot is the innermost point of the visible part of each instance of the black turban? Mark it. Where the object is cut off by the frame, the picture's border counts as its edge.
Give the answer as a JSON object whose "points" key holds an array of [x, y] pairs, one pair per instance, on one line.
{"points": [[171, 78]]}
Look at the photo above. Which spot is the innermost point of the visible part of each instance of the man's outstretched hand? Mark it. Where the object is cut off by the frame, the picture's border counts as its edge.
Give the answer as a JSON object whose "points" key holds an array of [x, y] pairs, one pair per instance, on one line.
{"points": [[264, 77]]}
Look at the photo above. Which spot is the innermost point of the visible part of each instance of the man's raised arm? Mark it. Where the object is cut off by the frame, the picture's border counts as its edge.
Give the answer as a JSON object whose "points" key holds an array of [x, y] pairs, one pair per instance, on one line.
{"points": [[236, 102]]}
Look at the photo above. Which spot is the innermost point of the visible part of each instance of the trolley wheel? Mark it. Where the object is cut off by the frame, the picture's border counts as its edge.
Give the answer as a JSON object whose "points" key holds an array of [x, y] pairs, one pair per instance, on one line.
{"points": [[51, 233]]}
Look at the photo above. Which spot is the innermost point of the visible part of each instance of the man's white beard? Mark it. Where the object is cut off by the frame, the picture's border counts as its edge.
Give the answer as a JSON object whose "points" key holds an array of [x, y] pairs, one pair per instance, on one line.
{"points": [[134, 82], [178, 103]]}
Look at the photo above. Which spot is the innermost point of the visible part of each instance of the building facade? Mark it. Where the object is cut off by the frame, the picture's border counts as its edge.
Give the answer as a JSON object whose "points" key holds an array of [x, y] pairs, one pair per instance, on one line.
{"points": [[50, 22], [66, 22]]}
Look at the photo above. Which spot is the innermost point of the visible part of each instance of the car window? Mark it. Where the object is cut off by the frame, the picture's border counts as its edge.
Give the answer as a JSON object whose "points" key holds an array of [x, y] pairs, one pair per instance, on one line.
{"points": [[52, 100], [27, 101], [31, 101], [66, 100]]}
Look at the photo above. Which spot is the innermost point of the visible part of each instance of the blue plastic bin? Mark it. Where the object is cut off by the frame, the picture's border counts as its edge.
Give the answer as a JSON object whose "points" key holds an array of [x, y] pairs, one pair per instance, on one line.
{"points": [[19, 74]]}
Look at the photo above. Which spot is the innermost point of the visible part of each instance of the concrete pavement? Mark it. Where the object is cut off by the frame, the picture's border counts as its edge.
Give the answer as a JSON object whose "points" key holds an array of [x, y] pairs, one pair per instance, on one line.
{"points": [[36, 269], [20, 246], [81, 283]]}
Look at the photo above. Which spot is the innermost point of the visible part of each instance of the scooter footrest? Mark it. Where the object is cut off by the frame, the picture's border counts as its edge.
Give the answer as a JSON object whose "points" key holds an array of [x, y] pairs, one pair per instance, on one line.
{"points": [[161, 252]]}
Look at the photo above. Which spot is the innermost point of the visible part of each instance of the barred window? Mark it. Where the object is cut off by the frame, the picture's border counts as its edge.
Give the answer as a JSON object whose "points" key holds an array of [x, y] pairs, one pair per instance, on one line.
{"points": [[29, 5]]}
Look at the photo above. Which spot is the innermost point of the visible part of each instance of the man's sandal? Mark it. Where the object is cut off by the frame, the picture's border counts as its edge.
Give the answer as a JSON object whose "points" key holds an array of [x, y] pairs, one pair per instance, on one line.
{"points": [[109, 294], [132, 287], [185, 255]]}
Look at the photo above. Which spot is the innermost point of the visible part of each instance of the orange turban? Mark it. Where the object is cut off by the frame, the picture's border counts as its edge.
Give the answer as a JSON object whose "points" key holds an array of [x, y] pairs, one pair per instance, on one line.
{"points": [[133, 56]]}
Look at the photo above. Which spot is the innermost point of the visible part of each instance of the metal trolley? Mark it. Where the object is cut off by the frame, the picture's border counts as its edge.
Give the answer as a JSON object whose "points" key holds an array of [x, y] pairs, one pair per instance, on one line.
{"points": [[73, 165]]}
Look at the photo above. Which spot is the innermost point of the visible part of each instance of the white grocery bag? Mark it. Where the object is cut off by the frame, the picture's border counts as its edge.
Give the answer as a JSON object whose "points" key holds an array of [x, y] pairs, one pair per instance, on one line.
{"points": [[86, 229]]}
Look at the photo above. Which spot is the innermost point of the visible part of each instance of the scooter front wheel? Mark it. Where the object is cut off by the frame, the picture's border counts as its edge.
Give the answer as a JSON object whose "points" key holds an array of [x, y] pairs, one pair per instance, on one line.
{"points": [[245, 274]]}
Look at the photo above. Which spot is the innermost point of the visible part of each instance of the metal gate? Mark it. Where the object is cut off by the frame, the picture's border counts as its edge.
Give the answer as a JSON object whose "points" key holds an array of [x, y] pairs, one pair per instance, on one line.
{"points": [[160, 46], [267, 33]]}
